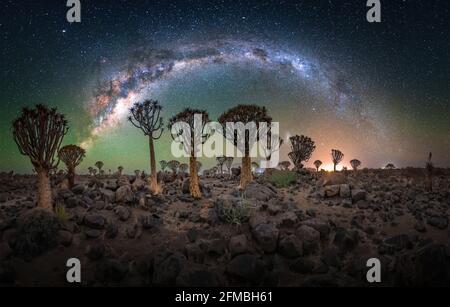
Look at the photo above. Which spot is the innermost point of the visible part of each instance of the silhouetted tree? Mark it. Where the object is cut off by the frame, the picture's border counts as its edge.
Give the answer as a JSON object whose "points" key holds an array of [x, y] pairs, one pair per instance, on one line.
{"points": [[163, 164], [119, 170], [183, 168], [189, 140], [355, 163], [220, 162], [317, 164], [302, 148], [146, 116], [229, 163], [91, 171], [284, 165], [71, 155], [337, 157], [38, 134], [390, 166], [245, 114], [173, 165], [99, 165], [429, 167]]}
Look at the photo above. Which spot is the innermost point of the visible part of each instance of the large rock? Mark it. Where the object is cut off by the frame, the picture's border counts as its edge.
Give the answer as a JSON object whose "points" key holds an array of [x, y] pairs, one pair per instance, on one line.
{"points": [[344, 191], [124, 194], [267, 236], [346, 240], [358, 194], [94, 221], [167, 267], [108, 195], [197, 277], [138, 184], [310, 238], [123, 213], [238, 245], [332, 190], [259, 192], [247, 267], [290, 247], [320, 225], [38, 231]]}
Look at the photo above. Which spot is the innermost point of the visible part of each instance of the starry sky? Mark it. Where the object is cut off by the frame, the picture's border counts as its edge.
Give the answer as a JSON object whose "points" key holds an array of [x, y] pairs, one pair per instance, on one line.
{"points": [[378, 92]]}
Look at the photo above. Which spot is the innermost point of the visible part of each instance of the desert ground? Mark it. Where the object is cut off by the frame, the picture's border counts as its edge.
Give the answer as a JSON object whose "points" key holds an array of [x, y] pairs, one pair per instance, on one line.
{"points": [[285, 229]]}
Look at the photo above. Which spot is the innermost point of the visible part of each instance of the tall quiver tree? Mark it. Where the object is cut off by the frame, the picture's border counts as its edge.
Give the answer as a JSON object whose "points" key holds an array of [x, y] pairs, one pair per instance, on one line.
{"points": [[187, 130], [146, 116], [38, 133], [336, 156], [245, 114], [71, 155], [302, 148], [220, 162], [355, 163]]}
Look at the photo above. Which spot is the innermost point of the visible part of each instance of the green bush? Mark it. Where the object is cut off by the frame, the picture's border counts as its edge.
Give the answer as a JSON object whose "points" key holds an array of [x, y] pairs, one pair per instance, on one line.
{"points": [[235, 213], [282, 179], [61, 213]]}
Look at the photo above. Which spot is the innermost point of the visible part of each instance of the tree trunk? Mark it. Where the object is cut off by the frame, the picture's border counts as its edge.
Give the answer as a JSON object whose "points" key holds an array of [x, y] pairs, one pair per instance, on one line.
{"points": [[154, 188], [44, 190], [71, 176], [334, 167], [246, 171], [194, 187]]}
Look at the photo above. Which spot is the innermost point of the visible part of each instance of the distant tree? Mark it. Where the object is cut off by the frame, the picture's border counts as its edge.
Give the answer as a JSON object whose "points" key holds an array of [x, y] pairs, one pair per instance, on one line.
{"points": [[102, 172], [183, 168], [109, 172], [137, 173], [173, 165], [245, 114], [198, 165], [163, 164], [355, 163], [38, 134], [220, 162], [337, 157], [119, 170], [146, 116], [91, 171], [229, 163], [71, 155], [99, 165], [390, 166], [317, 164], [284, 165], [429, 167], [94, 171], [302, 148], [195, 135]]}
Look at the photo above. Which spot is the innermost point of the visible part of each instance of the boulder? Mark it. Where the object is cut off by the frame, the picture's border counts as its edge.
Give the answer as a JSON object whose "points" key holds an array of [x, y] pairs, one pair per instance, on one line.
{"points": [[290, 247], [358, 194], [238, 245], [94, 221], [124, 194], [267, 236], [247, 267], [259, 192]]}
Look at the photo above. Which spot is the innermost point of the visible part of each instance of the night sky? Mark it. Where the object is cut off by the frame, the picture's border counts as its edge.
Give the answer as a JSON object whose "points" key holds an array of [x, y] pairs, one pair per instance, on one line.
{"points": [[378, 92]]}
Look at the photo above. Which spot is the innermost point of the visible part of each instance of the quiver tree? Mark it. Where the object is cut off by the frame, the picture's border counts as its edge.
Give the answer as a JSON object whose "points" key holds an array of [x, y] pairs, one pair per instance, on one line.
{"points": [[229, 163], [38, 134], [99, 165], [429, 167], [302, 148], [183, 168], [251, 116], [173, 165], [336, 156], [317, 164], [71, 155], [163, 164], [146, 116], [220, 162], [188, 128], [390, 166], [355, 163], [119, 170], [284, 165]]}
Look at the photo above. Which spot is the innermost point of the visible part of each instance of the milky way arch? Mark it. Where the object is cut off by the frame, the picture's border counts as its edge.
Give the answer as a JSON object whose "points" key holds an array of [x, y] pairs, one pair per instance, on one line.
{"points": [[147, 67]]}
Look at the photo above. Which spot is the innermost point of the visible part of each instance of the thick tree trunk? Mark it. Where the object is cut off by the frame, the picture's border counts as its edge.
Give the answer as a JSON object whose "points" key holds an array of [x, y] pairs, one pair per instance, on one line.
{"points": [[246, 171], [154, 188], [194, 187], [71, 176], [334, 167], [44, 190]]}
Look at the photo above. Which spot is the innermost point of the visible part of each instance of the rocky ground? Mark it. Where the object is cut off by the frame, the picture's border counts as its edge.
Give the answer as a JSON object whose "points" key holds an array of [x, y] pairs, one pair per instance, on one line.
{"points": [[318, 231]]}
